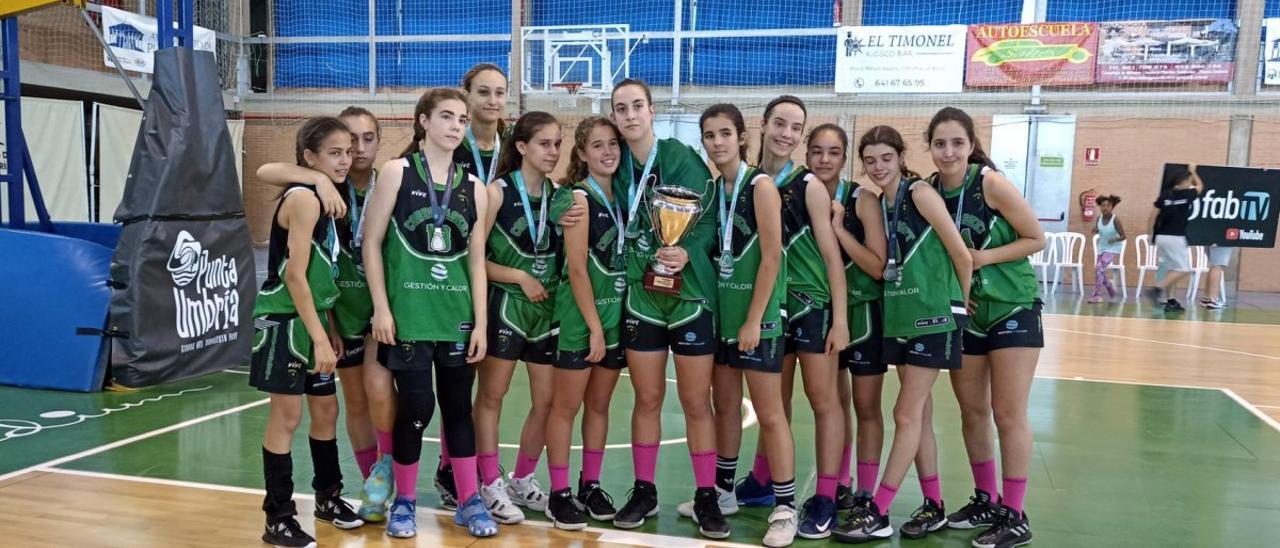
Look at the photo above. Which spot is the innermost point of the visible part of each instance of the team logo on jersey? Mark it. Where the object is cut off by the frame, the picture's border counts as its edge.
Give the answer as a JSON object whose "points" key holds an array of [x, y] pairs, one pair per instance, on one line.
{"points": [[620, 284], [206, 292], [539, 268], [767, 326], [690, 337], [857, 355], [1011, 325], [440, 272], [643, 243], [919, 347]]}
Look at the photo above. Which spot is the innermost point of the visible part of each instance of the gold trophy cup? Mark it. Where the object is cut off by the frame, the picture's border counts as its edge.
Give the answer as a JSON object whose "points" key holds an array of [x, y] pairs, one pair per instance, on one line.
{"points": [[673, 210]]}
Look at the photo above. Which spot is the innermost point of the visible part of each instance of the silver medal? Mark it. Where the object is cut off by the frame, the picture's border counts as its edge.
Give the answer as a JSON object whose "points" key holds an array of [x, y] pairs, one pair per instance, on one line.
{"points": [[891, 271], [437, 239], [726, 265]]}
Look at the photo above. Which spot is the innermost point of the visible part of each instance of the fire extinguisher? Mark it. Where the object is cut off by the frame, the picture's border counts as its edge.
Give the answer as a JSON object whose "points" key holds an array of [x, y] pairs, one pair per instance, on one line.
{"points": [[1089, 205]]}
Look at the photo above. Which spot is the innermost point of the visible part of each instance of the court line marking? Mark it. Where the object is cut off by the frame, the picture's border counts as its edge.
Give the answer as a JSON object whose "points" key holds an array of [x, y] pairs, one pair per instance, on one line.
{"points": [[1161, 320], [1267, 419], [145, 435], [606, 535], [1185, 345], [1252, 408]]}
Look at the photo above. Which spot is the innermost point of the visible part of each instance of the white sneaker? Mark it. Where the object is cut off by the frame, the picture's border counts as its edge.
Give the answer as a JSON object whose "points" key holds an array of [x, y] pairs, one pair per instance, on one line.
{"points": [[526, 492], [499, 504], [728, 504], [782, 527]]}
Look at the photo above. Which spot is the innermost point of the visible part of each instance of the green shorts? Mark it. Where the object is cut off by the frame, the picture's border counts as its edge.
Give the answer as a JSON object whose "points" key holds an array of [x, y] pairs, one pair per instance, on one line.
{"points": [[653, 321], [520, 330], [281, 362]]}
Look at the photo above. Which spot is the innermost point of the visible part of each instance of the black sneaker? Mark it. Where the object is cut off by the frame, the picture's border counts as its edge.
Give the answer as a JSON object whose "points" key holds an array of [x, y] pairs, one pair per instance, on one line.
{"points": [[598, 503], [565, 512], [706, 513], [445, 486], [330, 507], [980, 512], [929, 517], [642, 502], [287, 532], [1172, 305], [864, 524], [844, 498], [861, 500], [1011, 529]]}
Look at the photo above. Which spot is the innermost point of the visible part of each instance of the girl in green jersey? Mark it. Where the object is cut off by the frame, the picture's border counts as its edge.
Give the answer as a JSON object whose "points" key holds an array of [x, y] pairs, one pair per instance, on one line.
{"points": [[524, 255], [1002, 342], [424, 247], [926, 284], [487, 131], [751, 288], [589, 310]]}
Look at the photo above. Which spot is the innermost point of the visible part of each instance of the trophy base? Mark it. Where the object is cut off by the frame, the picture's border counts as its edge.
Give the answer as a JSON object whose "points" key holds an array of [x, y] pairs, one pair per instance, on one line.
{"points": [[659, 283]]}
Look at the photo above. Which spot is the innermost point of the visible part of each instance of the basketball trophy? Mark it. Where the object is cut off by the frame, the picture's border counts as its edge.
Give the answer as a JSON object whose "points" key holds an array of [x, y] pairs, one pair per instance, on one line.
{"points": [[673, 210]]}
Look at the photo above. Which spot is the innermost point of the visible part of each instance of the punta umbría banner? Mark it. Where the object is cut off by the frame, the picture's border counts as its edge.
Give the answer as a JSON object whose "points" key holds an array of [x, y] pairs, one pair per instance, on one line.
{"points": [[1045, 54], [132, 38], [924, 59]]}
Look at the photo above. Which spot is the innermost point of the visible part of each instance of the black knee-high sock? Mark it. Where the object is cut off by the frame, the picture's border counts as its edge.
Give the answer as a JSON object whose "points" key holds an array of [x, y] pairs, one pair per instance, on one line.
{"points": [[455, 409], [324, 459], [726, 469], [415, 403], [277, 473]]}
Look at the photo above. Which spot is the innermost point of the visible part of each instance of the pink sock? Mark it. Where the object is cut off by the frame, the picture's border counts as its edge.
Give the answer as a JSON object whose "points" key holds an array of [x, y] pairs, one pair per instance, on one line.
{"points": [[365, 459], [384, 442], [406, 480], [488, 467], [526, 465], [760, 470], [559, 477], [1015, 490], [464, 477], [704, 468], [444, 450], [592, 461], [868, 472], [846, 462], [827, 486], [984, 477], [644, 458], [932, 488], [884, 497]]}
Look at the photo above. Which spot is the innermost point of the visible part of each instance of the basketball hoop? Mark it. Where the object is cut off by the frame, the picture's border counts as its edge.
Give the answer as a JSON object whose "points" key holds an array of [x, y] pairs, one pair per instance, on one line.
{"points": [[570, 98]]}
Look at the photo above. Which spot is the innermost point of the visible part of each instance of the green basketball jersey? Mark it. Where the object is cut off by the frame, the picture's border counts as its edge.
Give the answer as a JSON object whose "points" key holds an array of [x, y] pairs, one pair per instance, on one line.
{"points": [[429, 290], [862, 287], [678, 165], [736, 285], [606, 269], [465, 158], [927, 294], [274, 296], [511, 242], [806, 272], [983, 227], [354, 308]]}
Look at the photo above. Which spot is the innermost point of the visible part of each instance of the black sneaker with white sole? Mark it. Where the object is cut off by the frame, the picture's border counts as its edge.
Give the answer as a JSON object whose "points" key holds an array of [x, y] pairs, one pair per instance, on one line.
{"points": [[330, 507], [929, 517], [844, 498], [1172, 305], [980, 512], [288, 533], [864, 524], [706, 513], [1011, 529], [598, 503], [642, 502], [445, 486], [565, 512]]}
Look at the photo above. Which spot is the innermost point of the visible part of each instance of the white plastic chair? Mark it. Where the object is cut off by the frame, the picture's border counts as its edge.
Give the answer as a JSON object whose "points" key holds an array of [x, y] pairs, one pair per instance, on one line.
{"points": [[1146, 258], [1041, 260], [1071, 257], [1199, 265], [1115, 266]]}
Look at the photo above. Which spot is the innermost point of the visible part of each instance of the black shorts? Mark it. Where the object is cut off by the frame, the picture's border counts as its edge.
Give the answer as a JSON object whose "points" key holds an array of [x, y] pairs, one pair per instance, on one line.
{"points": [[865, 357], [577, 359], [352, 352], [509, 342], [765, 357], [935, 350], [281, 359], [696, 337], [1018, 328], [807, 332], [423, 355]]}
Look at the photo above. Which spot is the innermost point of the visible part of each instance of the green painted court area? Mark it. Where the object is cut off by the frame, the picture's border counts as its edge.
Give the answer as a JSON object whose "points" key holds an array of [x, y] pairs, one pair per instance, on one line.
{"points": [[1115, 464]]}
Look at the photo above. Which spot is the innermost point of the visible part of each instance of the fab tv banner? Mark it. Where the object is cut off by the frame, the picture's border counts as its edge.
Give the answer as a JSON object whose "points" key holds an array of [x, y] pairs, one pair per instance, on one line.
{"points": [[1045, 54], [1200, 50]]}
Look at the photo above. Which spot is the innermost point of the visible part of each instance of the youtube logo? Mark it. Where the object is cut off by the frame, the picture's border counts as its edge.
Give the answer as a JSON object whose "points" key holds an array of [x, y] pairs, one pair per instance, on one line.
{"points": [[1233, 234]]}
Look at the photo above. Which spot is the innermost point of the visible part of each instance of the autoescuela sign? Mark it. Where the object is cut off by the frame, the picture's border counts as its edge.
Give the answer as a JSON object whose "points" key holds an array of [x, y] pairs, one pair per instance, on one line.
{"points": [[1045, 54]]}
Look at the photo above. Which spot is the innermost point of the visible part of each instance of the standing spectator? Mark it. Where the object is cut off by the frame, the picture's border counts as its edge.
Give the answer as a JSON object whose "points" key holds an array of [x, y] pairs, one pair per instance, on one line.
{"points": [[1219, 258], [1168, 227], [1111, 238]]}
